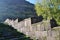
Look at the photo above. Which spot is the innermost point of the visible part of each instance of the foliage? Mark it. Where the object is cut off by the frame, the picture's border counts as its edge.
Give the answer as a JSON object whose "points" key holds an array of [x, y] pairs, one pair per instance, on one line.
{"points": [[49, 9], [9, 33], [45, 38]]}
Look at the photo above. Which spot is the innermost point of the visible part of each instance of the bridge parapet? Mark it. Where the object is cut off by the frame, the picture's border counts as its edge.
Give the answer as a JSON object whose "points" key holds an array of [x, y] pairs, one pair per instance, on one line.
{"points": [[38, 30]]}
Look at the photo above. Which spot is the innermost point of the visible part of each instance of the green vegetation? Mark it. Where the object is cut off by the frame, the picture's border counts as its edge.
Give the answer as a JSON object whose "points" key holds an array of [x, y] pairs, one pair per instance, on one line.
{"points": [[45, 38], [9, 33], [49, 9]]}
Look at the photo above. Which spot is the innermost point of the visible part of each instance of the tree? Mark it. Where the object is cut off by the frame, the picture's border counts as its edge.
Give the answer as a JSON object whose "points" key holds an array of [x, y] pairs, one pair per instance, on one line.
{"points": [[48, 9]]}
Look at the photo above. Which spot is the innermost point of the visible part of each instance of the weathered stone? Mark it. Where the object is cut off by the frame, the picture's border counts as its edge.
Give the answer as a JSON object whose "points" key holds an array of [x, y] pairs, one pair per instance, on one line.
{"points": [[38, 30]]}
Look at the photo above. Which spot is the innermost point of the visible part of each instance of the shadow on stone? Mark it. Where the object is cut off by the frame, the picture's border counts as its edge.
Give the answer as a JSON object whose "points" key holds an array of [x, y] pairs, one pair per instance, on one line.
{"points": [[53, 23], [36, 19]]}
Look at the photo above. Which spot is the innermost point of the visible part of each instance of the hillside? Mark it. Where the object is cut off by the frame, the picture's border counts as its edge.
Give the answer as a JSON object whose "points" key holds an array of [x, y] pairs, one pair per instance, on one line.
{"points": [[16, 9], [6, 33]]}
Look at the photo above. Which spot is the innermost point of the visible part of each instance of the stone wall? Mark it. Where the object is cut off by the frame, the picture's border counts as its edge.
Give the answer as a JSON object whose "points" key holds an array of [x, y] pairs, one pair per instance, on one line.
{"points": [[41, 30]]}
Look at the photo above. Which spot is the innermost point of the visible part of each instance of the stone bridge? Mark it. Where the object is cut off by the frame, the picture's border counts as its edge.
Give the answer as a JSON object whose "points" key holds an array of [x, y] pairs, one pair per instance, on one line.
{"points": [[41, 30]]}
